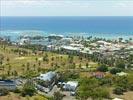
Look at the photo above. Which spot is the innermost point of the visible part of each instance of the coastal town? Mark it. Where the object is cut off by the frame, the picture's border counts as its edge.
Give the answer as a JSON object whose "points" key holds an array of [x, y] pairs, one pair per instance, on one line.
{"points": [[58, 67]]}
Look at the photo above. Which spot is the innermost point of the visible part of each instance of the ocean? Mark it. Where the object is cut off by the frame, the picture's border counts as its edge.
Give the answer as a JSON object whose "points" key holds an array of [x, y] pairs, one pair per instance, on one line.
{"points": [[104, 27]]}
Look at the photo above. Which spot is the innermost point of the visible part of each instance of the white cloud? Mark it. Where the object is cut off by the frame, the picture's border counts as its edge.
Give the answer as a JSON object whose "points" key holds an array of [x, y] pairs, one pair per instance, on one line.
{"points": [[67, 7], [110, 3]]}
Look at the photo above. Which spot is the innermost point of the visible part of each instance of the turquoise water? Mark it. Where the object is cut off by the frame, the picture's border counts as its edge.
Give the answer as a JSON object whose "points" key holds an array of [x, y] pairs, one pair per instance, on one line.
{"points": [[107, 27]]}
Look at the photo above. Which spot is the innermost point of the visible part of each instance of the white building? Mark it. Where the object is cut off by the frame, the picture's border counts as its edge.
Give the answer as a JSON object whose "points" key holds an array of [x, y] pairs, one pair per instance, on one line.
{"points": [[71, 48], [48, 79], [24, 41], [86, 51], [70, 86], [121, 74], [117, 99], [103, 43], [7, 84]]}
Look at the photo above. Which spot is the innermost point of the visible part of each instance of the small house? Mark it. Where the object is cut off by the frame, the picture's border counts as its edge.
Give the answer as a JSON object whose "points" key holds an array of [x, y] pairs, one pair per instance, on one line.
{"points": [[47, 81], [117, 99], [7, 84], [98, 74], [121, 74], [70, 86]]}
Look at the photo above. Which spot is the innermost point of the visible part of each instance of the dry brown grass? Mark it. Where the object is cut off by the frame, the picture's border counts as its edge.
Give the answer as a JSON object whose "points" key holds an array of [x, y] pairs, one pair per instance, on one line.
{"points": [[126, 96], [13, 96]]}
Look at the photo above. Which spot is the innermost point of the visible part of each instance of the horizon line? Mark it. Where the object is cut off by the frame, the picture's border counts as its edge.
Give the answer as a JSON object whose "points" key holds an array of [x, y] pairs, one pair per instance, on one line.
{"points": [[68, 16]]}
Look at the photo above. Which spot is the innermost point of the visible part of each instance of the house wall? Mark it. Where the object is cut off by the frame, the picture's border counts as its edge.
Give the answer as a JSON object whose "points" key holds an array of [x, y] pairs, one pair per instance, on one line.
{"points": [[8, 86]]}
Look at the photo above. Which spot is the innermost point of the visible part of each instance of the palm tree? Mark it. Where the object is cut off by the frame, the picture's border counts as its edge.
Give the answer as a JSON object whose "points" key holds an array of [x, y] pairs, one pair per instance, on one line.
{"points": [[8, 59], [126, 41], [39, 63], [34, 66], [61, 58], [52, 58], [120, 40], [36, 59], [87, 65], [3, 68], [130, 39], [15, 73], [8, 72], [52, 64], [28, 66], [23, 66], [9, 67], [80, 65], [1, 62]]}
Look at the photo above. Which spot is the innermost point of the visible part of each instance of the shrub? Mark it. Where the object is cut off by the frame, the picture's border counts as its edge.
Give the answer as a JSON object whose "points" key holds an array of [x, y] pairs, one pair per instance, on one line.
{"points": [[17, 91], [115, 70], [91, 88], [131, 87], [102, 68], [28, 89], [3, 92], [120, 65], [100, 93], [58, 96], [118, 90]]}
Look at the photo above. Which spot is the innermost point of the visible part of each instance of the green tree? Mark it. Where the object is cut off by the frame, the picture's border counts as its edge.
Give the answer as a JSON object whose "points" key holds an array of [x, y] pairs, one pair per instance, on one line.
{"points": [[90, 88], [7, 59], [80, 65], [120, 39], [28, 89], [45, 57], [100, 93], [28, 66], [115, 70], [87, 65], [4, 91], [120, 65], [36, 59], [102, 68], [39, 63], [122, 82], [118, 91], [34, 67], [86, 88], [58, 96]]}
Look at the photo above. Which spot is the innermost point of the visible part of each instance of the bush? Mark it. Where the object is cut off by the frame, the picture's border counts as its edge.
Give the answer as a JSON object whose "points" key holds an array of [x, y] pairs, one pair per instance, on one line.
{"points": [[102, 68], [100, 93], [28, 89], [115, 70], [91, 88], [68, 75], [86, 88], [122, 82], [4, 92], [118, 90], [58, 96], [120, 65], [17, 91], [131, 87], [105, 81]]}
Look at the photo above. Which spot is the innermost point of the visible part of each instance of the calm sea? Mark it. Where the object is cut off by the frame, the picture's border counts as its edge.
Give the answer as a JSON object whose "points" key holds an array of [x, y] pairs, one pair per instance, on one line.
{"points": [[108, 27]]}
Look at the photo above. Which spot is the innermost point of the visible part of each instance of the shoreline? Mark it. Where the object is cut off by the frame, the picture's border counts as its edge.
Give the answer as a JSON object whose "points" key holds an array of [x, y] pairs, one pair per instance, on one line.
{"points": [[15, 34]]}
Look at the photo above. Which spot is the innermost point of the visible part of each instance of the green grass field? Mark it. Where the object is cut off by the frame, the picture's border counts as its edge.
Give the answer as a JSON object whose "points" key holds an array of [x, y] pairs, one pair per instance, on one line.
{"points": [[19, 63]]}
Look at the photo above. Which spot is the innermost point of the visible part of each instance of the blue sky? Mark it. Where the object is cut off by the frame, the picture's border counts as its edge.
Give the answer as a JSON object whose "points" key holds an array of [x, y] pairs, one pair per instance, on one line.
{"points": [[66, 7]]}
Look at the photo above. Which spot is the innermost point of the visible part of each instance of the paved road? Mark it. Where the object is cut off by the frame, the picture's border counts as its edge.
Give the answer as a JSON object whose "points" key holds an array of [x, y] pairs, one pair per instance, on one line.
{"points": [[68, 96]]}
